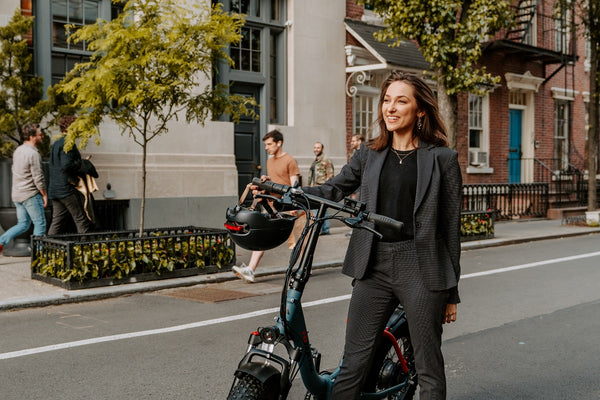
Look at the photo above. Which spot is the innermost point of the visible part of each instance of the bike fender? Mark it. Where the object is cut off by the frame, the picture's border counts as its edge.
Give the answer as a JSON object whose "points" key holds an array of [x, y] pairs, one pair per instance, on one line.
{"points": [[260, 371]]}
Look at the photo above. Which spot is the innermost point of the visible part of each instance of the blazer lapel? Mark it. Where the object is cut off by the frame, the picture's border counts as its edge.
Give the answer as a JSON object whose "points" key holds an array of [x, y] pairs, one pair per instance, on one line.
{"points": [[424, 169]]}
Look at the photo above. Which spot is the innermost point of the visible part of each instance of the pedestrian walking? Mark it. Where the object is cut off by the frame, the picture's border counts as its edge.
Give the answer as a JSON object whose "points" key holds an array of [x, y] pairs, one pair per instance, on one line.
{"points": [[65, 169], [28, 186], [409, 174], [282, 168], [355, 142], [320, 171]]}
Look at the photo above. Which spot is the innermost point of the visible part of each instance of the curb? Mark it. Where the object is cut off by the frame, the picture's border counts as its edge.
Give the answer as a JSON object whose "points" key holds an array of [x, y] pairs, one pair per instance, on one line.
{"points": [[75, 296]]}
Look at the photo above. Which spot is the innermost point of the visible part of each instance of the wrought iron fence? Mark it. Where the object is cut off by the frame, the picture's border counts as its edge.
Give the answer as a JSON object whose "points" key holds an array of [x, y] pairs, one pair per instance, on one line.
{"points": [[120, 255], [565, 180], [507, 200]]}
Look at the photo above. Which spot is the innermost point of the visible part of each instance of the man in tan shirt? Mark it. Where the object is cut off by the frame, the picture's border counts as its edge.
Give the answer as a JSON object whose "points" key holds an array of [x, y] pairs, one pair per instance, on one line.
{"points": [[28, 186], [283, 169]]}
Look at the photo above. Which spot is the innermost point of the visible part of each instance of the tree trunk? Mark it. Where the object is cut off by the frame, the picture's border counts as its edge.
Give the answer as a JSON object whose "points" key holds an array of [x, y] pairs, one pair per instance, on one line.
{"points": [[593, 132], [448, 109], [143, 205]]}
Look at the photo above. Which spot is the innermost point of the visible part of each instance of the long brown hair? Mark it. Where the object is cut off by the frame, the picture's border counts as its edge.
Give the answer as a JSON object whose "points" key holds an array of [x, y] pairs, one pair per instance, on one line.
{"points": [[433, 130]]}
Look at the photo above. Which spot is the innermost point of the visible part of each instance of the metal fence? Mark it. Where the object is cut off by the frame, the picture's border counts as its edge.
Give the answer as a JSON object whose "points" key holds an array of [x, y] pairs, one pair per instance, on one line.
{"points": [[507, 200]]}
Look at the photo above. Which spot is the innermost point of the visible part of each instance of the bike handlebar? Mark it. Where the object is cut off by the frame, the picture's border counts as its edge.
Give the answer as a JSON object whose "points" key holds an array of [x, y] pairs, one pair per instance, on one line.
{"points": [[382, 220], [280, 189], [271, 186]]}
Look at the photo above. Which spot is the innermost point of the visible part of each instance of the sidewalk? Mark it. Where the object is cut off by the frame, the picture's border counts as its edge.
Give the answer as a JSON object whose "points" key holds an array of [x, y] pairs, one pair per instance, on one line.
{"points": [[18, 290]]}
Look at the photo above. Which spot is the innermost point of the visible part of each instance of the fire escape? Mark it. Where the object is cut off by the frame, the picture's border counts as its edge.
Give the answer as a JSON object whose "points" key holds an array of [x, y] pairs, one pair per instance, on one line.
{"points": [[539, 38], [551, 41]]}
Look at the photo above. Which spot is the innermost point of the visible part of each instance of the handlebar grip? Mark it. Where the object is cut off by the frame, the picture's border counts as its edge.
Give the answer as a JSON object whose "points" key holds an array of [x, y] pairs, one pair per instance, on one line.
{"points": [[271, 186], [387, 221]]}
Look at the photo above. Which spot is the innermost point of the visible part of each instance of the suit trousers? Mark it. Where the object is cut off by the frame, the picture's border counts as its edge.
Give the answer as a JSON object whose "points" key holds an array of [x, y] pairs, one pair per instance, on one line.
{"points": [[393, 277], [66, 208]]}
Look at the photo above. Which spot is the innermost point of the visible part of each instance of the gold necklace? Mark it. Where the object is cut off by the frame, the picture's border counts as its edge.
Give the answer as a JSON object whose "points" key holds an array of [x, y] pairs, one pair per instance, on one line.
{"points": [[402, 158]]}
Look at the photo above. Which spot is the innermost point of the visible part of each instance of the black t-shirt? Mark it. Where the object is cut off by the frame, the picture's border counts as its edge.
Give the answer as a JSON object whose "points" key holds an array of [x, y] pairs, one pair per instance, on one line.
{"points": [[397, 191]]}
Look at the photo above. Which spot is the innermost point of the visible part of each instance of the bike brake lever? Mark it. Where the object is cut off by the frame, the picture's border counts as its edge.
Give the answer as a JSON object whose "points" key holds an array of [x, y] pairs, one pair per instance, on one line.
{"points": [[354, 222]]}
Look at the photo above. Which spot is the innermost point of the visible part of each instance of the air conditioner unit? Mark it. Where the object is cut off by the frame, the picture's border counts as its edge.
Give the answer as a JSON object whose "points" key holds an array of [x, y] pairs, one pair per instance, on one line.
{"points": [[478, 158]]}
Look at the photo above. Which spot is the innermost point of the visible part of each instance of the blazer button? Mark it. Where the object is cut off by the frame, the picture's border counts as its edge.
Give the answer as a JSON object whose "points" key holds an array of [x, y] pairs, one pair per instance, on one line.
{"points": [[418, 225]]}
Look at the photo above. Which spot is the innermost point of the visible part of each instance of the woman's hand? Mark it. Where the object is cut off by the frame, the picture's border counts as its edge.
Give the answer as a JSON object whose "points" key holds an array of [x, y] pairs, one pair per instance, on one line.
{"points": [[450, 315], [255, 189]]}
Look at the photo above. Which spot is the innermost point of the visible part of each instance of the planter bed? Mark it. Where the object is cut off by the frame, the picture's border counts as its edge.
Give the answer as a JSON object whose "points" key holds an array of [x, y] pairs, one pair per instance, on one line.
{"points": [[476, 225], [89, 260]]}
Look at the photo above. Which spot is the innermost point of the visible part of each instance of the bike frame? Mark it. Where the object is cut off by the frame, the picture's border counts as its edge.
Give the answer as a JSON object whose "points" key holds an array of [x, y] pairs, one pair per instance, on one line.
{"points": [[290, 328]]}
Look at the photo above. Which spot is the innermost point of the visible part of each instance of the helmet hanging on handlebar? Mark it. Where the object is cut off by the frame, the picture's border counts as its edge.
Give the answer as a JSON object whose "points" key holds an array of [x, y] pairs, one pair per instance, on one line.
{"points": [[257, 231]]}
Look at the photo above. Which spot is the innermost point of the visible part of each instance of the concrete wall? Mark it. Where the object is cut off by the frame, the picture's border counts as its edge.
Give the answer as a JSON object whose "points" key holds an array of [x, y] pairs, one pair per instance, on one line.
{"points": [[316, 78]]}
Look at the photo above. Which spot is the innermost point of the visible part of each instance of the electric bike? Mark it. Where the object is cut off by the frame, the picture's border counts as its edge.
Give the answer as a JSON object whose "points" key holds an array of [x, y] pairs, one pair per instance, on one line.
{"points": [[276, 354]]}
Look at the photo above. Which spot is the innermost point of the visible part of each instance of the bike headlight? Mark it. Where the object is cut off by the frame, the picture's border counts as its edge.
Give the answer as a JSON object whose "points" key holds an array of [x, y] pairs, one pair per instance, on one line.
{"points": [[269, 335]]}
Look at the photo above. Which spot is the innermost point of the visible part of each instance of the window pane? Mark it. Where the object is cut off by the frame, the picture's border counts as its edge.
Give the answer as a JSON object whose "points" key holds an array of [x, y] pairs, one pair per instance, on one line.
{"points": [[91, 12], [255, 38], [245, 61], [75, 12], [59, 10], [235, 56], [275, 13], [245, 42], [59, 35], [474, 138]]}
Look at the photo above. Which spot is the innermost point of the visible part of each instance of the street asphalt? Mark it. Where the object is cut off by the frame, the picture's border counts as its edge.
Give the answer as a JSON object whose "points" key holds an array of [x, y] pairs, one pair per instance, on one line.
{"points": [[19, 290]]}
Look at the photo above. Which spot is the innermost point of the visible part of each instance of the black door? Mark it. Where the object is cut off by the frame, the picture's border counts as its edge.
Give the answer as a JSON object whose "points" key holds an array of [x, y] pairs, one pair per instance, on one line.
{"points": [[247, 140]]}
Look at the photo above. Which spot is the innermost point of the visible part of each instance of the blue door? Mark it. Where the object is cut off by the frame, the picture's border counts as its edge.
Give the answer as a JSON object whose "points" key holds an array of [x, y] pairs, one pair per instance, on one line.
{"points": [[514, 146]]}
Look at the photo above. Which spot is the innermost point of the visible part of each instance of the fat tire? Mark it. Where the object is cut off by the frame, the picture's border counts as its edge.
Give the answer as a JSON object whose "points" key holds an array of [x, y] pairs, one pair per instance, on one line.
{"points": [[382, 354], [248, 387]]}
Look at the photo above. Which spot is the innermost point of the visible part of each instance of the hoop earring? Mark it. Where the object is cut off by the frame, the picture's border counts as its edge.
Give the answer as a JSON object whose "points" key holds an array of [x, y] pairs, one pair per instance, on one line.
{"points": [[420, 124]]}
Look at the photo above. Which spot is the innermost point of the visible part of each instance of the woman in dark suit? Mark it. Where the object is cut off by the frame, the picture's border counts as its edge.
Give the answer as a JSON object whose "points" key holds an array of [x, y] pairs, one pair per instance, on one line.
{"points": [[407, 173]]}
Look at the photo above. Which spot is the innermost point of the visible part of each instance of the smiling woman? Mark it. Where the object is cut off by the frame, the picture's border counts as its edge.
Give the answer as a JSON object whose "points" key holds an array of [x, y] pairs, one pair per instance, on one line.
{"points": [[407, 173]]}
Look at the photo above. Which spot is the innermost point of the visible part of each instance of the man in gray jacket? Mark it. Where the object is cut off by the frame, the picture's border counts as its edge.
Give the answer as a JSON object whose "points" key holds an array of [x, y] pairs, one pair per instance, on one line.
{"points": [[28, 186]]}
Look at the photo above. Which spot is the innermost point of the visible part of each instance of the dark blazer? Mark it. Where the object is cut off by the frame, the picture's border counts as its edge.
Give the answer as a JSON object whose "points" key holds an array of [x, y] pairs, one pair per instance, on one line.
{"points": [[65, 168], [436, 213]]}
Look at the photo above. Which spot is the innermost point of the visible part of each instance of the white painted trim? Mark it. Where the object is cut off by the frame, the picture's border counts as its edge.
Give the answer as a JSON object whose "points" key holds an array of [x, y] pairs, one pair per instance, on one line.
{"points": [[525, 82], [563, 93]]}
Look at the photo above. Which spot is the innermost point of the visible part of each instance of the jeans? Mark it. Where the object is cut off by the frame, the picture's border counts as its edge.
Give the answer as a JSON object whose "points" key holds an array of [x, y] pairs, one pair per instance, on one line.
{"points": [[29, 210]]}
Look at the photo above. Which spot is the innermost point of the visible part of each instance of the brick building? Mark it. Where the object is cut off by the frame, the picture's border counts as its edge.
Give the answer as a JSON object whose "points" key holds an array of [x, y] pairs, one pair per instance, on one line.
{"points": [[533, 121]]}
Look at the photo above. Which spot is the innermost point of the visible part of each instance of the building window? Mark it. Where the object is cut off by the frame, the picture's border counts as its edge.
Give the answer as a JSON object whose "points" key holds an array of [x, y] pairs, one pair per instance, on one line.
{"points": [[66, 54], [562, 43], [562, 112], [53, 55], [365, 114], [259, 56], [478, 131], [247, 52]]}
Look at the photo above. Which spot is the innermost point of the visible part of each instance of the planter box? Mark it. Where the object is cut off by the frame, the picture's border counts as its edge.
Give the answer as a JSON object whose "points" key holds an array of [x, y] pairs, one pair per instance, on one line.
{"points": [[110, 258], [476, 225]]}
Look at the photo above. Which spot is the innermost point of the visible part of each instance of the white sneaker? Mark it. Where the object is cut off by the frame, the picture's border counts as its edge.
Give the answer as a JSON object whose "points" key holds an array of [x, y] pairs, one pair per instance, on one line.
{"points": [[244, 272]]}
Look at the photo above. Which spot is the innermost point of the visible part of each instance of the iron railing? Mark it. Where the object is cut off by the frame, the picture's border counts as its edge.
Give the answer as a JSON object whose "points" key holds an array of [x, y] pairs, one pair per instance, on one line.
{"points": [[543, 31], [507, 200], [565, 181]]}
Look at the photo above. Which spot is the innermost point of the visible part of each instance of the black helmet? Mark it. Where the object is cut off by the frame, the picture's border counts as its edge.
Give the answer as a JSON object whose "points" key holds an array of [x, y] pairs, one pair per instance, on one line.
{"points": [[254, 230]]}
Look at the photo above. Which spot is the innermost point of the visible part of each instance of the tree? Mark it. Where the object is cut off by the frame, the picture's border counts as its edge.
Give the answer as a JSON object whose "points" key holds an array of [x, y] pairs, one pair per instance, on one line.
{"points": [[450, 34], [146, 69], [20, 91], [588, 12]]}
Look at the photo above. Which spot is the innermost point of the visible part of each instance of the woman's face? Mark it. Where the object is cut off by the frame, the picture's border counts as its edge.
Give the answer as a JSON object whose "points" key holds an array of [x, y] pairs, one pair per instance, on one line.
{"points": [[399, 108]]}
